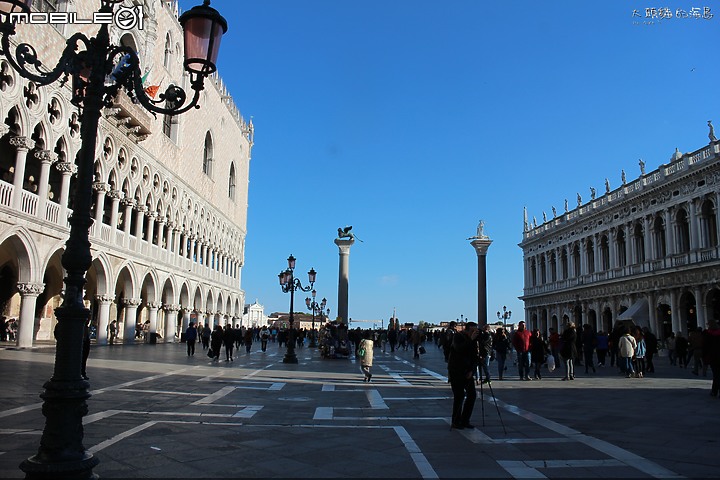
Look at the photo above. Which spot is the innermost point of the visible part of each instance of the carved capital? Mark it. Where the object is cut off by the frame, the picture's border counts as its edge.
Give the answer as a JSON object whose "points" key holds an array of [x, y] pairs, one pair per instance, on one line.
{"points": [[22, 143], [127, 202], [116, 194], [46, 156], [66, 167], [101, 187], [132, 302], [141, 209], [105, 299], [28, 289], [153, 305]]}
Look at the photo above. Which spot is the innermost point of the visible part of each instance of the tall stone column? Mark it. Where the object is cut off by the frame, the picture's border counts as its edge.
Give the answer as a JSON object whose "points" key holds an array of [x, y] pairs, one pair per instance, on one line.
{"points": [[22, 145], [26, 323], [128, 203], [170, 313], [131, 305], [343, 245], [152, 316], [104, 302], [481, 245], [47, 158], [101, 188], [116, 196], [66, 169], [185, 318]]}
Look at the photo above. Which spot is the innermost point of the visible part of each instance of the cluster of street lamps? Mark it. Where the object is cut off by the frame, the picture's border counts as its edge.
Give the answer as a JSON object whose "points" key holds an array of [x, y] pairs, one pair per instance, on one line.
{"points": [[311, 304], [505, 316], [88, 63], [289, 283]]}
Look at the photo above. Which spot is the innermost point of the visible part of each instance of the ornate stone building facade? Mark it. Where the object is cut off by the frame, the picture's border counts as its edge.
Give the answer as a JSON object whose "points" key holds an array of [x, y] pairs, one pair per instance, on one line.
{"points": [[170, 193], [646, 251]]}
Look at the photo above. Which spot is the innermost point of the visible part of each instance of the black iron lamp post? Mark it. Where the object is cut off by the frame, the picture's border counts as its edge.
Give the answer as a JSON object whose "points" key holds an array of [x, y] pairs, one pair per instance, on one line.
{"points": [[98, 71], [289, 283], [313, 305], [505, 316]]}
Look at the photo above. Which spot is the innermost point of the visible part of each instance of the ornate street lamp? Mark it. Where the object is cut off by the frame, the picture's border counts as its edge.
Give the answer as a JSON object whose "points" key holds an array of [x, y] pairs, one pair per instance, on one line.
{"points": [[98, 71], [289, 283], [313, 305], [505, 316]]}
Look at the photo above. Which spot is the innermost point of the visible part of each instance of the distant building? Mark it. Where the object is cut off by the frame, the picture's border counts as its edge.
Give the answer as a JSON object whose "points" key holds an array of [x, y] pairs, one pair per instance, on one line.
{"points": [[646, 251], [254, 315]]}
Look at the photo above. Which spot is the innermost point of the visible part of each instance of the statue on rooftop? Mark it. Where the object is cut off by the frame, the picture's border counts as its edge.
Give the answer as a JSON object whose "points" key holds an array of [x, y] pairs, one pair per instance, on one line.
{"points": [[592, 193], [607, 186], [711, 135], [642, 167], [622, 176]]}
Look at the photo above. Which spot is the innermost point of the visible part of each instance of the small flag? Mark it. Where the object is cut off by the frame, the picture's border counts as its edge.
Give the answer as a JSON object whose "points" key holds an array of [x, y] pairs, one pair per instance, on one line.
{"points": [[144, 77], [152, 90]]}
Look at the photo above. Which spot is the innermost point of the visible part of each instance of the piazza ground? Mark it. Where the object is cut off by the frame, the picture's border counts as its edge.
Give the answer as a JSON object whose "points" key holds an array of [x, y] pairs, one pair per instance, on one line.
{"points": [[157, 413]]}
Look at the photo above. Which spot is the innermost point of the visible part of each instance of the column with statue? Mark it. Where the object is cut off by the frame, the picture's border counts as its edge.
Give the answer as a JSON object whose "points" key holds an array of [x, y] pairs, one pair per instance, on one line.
{"points": [[344, 241], [481, 242]]}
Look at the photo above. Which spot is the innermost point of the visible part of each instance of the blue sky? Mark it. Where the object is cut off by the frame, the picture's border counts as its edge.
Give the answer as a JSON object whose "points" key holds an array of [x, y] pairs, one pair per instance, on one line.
{"points": [[413, 120]]}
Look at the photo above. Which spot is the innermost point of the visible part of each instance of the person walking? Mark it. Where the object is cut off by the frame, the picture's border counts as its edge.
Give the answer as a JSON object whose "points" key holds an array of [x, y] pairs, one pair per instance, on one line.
{"points": [[589, 342], [711, 354], [652, 347], [264, 335], [248, 340], [190, 337], [538, 352], [521, 343], [229, 341], [205, 336], [601, 347], [501, 344], [568, 350], [640, 351], [681, 350], [695, 340], [216, 340], [461, 366], [365, 352], [415, 338], [626, 349], [446, 339], [85, 350], [670, 345], [112, 329], [554, 341], [392, 338]]}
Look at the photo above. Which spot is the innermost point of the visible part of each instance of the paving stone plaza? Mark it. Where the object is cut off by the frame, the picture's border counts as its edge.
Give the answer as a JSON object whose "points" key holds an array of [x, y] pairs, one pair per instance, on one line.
{"points": [[157, 413]]}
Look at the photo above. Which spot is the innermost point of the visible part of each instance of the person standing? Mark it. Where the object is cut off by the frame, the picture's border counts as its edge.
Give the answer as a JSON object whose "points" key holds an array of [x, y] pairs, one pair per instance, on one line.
{"points": [[264, 336], [711, 354], [85, 349], [190, 337], [626, 349], [112, 330], [415, 339], [670, 345], [461, 366], [681, 350], [554, 341], [652, 347], [695, 340], [365, 352], [589, 342], [568, 350], [392, 338], [501, 344], [446, 339], [205, 336], [521, 343], [538, 352], [216, 340], [601, 347], [229, 341], [248, 340], [485, 351], [640, 350]]}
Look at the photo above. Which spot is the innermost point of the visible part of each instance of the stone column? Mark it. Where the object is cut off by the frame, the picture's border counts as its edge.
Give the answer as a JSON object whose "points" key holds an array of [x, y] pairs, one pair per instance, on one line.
{"points": [[140, 223], [186, 318], [115, 195], [481, 246], [152, 316], [104, 302], [161, 230], [700, 307], [26, 323], [67, 169], [23, 145], [343, 245], [170, 312], [170, 239], [152, 216], [669, 234], [674, 313], [101, 188], [694, 226], [648, 242], [131, 305], [654, 327], [47, 158], [128, 203]]}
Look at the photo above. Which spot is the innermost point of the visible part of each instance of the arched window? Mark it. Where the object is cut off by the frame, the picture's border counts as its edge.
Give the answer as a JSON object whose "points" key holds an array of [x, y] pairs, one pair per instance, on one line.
{"points": [[622, 251], [168, 52], [605, 252], [659, 237], [208, 155], [683, 231], [576, 260], [639, 242], [231, 182], [590, 251], [708, 224]]}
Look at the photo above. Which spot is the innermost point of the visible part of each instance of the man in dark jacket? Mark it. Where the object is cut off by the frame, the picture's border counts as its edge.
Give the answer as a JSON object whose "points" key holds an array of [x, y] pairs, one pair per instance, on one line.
{"points": [[446, 339], [190, 337], [462, 362]]}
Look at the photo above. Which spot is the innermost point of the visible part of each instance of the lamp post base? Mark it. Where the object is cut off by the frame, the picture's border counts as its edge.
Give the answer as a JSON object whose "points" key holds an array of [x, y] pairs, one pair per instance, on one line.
{"points": [[36, 468], [290, 358]]}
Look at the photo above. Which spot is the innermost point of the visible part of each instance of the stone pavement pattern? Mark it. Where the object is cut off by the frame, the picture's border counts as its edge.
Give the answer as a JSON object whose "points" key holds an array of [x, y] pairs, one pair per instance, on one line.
{"points": [[156, 413]]}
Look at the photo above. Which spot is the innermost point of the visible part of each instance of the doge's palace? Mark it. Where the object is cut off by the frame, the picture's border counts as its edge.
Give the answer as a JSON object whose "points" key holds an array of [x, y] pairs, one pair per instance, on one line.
{"points": [[645, 251], [171, 193]]}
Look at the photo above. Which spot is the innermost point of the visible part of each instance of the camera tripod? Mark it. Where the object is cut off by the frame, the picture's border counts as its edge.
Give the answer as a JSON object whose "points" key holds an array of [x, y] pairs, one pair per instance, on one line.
{"points": [[482, 403]]}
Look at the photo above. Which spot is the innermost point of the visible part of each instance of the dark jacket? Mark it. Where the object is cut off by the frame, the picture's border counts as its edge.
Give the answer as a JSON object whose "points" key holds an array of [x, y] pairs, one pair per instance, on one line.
{"points": [[228, 337], [216, 341], [485, 341], [463, 358], [538, 349], [568, 340], [191, 334]]}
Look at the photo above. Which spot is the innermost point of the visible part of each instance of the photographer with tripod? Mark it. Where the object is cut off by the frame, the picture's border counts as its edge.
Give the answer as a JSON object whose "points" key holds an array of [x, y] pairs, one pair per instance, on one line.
{"points": [[462, 362]]}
